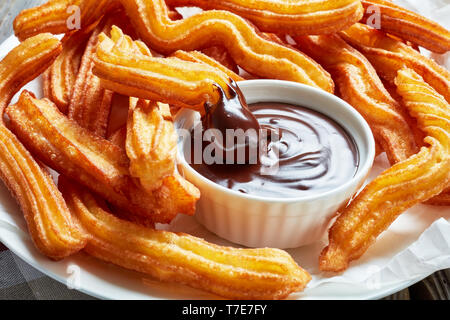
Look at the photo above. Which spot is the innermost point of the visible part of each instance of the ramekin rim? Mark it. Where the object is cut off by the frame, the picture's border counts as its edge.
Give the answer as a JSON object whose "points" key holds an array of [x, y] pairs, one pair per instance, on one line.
{"points": [[361, 173]]}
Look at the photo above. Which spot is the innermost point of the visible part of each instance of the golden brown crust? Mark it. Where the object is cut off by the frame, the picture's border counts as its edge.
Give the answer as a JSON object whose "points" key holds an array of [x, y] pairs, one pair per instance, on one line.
{"points": [[60, 78], [178, 257], [46, 85], [90, 103], [151, 143], [220, 55], [199, 57], [359, 84], [125, 70], [405, 184], [247, 48], [57, 16], [91, 160], [119, 137], [389, 55], [409, 25], [49, 222], [442, 199], [419, 135], [299, 17]]}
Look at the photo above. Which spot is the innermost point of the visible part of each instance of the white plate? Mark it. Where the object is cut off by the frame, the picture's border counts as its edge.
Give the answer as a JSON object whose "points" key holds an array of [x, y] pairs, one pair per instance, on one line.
{"points": [[106, 281]]}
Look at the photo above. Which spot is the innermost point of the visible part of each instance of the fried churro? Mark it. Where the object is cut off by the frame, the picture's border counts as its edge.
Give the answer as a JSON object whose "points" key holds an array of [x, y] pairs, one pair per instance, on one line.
{"points": [[405, 184], [143, 76], [389, 55], [178, 257], [299, 17], [90, 103], [151, 142], [408, 25], [61, 16], [93, 161], [247, 48], [359, 84], [60, 78], [49, 221]]}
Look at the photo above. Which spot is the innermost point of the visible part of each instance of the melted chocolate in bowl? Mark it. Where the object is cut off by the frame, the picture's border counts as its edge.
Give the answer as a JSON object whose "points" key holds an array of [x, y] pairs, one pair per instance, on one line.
{"points": [[315, 155]]}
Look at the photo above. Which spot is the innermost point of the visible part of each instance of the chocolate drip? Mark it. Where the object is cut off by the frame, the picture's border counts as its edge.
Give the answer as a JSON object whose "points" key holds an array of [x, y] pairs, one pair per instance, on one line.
{"points": [[315, 154]]}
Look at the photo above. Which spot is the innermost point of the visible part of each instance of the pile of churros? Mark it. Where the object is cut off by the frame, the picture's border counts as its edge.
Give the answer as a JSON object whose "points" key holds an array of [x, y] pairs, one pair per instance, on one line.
{"points": [[114, 187]]}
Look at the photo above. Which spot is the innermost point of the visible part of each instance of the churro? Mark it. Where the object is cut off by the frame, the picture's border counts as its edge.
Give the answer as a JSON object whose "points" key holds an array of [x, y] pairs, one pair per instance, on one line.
{"points": [[359, 84], [90, 103], [49, 221], [61, 16], [407, 25], [60, 78], [247, 48], [151, 142], [178, 257], [199, 57], [93, 161], [389, 55], [405, 184], [143, 76], [299, 17]]}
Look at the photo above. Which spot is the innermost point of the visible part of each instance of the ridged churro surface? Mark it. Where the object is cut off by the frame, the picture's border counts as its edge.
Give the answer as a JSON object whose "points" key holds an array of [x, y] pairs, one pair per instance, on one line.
{"points": [[408, 25], [359, 84], [296, 17], [388, 55], [177, 257], [94, 162]]}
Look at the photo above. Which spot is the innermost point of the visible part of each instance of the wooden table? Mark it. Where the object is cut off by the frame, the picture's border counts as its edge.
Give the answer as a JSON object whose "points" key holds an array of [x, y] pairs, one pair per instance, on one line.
{"points": [[435, 287]]}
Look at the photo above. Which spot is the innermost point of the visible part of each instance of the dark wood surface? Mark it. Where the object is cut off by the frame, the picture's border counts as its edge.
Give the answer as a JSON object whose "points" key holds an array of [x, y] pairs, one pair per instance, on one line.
{"points": [[435, 287]]}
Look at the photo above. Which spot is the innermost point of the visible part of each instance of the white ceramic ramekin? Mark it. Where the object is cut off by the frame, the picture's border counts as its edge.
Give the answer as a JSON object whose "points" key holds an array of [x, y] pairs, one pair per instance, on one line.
{"points": [[255, 221]]}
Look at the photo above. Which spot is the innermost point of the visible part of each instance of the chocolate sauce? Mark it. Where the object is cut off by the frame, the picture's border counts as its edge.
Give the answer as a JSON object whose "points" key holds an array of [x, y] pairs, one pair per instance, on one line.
{"points": [[232, 113], [315, 154]]}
